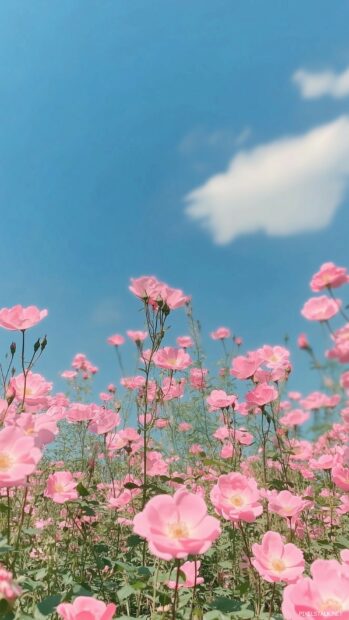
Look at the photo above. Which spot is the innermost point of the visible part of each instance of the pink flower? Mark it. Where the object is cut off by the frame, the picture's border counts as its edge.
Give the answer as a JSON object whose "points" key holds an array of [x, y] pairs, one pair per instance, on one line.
{"points": [[43, 428], [116, 340], [172, 389], [18, 456], [183, 427], [145, 287], [61, 487], [196, 448], [219, 399], [340, 477], [261, 395], [156, 466], [157, 293], [185, 342], [37, 389], [227, 451], [294, 418], [174, 297], [274, 357], [345, 415], [325, 461], [244, 366], [303, 342], [9, 590], [104, 421], [236, 498], [344, 380], [19, 318], [80, 362], [319, 400], [242, 436], [285, 504], [325, 595], [345, 556], [197, 378], [144, 420], [329, 276], [69, 374], [177, 526], [105, 396], [275, 561], [172, 359], [130, 435], [222, 433], [133, 383], [190, 570], [122, 498], [294, 395], [81, 412], [301, 450], [162, 423], [86, 608], [137, 336], [341, 349], [320, 308], [221, 333]]}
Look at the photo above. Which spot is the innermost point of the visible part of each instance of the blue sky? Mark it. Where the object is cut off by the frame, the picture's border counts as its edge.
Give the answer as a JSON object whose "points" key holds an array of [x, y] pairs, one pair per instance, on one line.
{"points": [[113, 113]]}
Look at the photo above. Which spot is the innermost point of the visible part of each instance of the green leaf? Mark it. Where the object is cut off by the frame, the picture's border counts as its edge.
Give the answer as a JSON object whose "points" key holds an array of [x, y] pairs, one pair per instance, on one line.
{"points": [[125, 592], [342, 542], [213, 615], [81, 590], [40, 574], [139, 585], [48, 605], [83, 492], [5, 611], [245, 614], [225, 604], [144, 571], [134, 540], [101, 548], [4, 547]]}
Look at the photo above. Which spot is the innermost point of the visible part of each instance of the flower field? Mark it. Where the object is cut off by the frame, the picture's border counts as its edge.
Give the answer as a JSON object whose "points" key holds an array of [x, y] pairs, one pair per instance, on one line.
{"points": [[183, 491]]}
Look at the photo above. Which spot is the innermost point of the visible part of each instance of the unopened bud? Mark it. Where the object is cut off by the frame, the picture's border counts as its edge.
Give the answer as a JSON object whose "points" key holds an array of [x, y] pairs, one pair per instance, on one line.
{"points": [[91, 464], [10, 394]]}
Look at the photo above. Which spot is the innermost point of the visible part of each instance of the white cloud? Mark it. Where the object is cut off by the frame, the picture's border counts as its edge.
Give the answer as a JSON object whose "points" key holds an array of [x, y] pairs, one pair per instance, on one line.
{"points": [[315, 85], [106, 312], [289, 186], [200, 139]]}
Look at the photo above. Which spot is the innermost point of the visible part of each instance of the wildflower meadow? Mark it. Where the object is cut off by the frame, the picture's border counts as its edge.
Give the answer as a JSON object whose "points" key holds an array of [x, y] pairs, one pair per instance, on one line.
{"points": [[188, 490]]}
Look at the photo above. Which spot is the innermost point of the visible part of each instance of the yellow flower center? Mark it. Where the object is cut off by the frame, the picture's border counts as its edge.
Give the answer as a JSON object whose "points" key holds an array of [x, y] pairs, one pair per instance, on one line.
{"points": [[59, 487], [278, 565], [178, 530], [6, 461], [331, 604], [237, 501]]}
